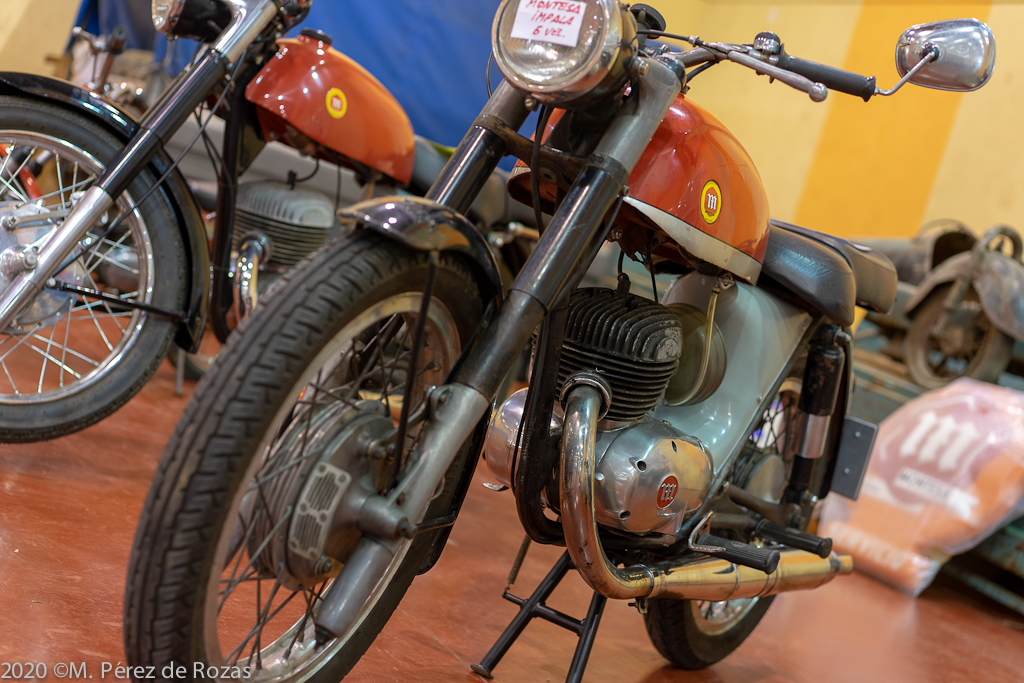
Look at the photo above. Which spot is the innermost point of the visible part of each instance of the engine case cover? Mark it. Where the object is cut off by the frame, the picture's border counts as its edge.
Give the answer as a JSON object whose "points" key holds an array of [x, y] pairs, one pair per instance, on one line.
{"points": [[649, 477]]}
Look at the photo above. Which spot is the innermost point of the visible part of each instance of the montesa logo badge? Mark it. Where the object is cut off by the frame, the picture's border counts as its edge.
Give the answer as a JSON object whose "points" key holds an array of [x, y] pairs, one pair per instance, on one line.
{"points": [[711, 201], [337, 105], [667, 491]]}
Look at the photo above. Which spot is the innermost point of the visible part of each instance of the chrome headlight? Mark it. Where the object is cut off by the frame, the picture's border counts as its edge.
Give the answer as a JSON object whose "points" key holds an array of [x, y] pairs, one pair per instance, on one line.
{"points": [[200, 19], [562, 50]]}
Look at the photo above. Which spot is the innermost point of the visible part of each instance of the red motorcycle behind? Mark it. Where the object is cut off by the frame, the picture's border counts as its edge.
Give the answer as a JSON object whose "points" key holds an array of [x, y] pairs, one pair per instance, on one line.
{"points": [[104, 256]]}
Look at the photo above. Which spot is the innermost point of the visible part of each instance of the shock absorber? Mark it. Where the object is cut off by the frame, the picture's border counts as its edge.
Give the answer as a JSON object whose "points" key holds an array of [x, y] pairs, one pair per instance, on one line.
{"points": [[823, 376]]}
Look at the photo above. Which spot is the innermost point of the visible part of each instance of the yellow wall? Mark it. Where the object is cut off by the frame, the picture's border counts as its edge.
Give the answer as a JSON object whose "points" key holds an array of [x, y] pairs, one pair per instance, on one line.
{"points": [[32, 29], [882, 167], [845, 166]]}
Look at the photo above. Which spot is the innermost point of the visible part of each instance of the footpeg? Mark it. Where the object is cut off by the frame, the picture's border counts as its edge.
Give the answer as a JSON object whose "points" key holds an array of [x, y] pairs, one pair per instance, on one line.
{"points": [[763, 559], [792, 538]]}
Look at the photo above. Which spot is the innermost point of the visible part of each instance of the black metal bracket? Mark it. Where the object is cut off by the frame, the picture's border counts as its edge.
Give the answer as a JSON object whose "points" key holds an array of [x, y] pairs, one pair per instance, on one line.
{"points": [[534, 606], [62, 286]]}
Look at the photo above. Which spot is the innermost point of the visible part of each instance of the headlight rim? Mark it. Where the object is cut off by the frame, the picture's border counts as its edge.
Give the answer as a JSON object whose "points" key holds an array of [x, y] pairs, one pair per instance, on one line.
{"points": [[607, 57]]}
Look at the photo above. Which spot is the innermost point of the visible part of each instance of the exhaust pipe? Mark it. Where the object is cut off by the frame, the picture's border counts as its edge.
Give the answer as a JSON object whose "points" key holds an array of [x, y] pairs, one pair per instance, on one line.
{"points": [[255, 247], [708, 579]]}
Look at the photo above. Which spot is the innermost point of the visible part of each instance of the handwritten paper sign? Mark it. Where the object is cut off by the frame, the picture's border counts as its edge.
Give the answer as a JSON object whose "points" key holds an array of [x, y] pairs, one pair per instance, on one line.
{"points": [[551, 21]]}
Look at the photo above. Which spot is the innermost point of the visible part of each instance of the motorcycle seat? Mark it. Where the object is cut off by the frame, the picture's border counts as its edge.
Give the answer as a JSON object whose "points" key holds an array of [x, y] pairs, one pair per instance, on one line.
{"points": [[873, 272], [829, 273], [817, 275], [493, 206]]}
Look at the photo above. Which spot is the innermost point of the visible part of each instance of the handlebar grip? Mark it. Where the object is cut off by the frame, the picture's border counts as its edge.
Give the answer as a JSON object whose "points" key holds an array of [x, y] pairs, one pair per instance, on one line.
{"points": [[831, 77], [116, 40]]}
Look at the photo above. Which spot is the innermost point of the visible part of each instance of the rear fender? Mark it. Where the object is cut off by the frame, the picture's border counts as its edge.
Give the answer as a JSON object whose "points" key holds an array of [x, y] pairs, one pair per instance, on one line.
{"points": [[174, 189], [425, 225], [999, 282]]}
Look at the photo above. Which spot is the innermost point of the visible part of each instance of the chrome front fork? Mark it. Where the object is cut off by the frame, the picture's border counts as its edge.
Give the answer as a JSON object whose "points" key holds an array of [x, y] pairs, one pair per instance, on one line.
{"points": [[28, 283]]}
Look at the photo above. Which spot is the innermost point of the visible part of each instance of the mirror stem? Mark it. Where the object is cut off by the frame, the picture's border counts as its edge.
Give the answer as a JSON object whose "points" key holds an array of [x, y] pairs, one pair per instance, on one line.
{"points": [[931, 53]]}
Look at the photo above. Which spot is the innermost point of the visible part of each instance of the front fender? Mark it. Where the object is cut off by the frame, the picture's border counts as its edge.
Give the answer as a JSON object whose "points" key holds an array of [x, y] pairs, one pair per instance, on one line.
{"points": [[174, 189], [999, 284], [425, 225]]}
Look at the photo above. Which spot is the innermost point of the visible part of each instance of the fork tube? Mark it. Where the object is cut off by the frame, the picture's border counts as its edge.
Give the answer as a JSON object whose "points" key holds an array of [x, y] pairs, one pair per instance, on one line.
{"points": [[571, 239], [478, 154], [188, 91]]}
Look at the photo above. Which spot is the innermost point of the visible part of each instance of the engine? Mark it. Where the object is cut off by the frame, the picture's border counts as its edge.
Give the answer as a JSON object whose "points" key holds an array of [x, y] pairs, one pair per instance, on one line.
{"points": [[649, 476], [296, 221]]}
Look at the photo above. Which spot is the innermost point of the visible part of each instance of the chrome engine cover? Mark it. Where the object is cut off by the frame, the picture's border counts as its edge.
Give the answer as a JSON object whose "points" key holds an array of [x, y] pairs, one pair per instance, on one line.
{"points": [[649, 477], [500, 445]]}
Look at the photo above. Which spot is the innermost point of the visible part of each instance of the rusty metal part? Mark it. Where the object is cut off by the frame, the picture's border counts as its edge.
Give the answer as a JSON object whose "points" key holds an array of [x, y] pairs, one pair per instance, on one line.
{"points": [[700, 580], [997, 278]]}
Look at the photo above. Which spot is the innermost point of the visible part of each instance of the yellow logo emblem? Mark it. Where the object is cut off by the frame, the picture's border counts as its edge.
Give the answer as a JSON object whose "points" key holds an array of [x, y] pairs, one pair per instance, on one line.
{"points": [[337, 105], [711, 201]]}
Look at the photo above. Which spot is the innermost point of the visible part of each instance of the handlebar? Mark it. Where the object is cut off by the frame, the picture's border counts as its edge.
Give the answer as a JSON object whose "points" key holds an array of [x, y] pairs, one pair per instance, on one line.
{"points": [[829, 76], [803, 74]]}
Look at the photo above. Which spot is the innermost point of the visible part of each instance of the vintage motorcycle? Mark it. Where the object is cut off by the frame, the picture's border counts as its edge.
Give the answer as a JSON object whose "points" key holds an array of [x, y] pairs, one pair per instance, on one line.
{"points": [[958, 311], [104, 255], [675, 448]]}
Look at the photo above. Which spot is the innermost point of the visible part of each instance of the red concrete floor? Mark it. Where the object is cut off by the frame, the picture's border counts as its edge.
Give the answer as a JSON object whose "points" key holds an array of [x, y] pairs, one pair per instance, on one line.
{"points": [[68, 511]]}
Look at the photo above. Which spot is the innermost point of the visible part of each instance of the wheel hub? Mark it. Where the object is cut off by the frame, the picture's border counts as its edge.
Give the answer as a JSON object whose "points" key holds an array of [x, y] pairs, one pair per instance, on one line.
{"points": [[326, 469], [17, 256]]}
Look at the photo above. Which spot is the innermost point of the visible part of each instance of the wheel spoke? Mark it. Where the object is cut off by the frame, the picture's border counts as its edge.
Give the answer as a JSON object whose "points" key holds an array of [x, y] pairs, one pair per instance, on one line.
{"points": [[21, 341], [106, 306], [252, 558], [56, 192], [60, 180], [64, 349], [3, 180], [47, 356], [49, 344]]}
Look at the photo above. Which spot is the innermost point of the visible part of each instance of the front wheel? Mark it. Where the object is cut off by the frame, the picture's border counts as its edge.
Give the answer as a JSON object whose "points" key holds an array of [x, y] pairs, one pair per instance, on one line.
{"points": [[69, 359], [970, 345], [303, 398]]}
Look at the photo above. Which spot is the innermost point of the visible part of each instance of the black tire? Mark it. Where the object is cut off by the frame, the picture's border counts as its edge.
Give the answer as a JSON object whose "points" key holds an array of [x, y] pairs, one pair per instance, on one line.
{"points": [[63, 410], [683, 631], [985, 354], [673, 629], [220, 432]]}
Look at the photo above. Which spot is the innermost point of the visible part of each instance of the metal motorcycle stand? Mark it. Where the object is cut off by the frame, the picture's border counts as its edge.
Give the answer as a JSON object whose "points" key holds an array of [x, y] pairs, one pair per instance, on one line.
{"points": [[534, 606]]}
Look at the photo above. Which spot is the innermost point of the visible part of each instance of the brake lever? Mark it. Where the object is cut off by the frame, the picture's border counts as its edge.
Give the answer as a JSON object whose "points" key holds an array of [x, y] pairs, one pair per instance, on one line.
{"points": [[816, 91]]}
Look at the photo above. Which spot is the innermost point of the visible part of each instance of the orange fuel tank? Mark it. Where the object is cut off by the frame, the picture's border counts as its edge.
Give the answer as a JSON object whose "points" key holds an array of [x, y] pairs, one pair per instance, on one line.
{"points": [[697, 184], [329, 98]]}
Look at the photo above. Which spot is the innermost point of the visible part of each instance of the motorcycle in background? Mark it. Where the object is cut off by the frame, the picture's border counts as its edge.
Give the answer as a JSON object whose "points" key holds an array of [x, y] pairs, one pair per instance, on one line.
{"points": [[104, 255], [676, 448], [959, 309]]}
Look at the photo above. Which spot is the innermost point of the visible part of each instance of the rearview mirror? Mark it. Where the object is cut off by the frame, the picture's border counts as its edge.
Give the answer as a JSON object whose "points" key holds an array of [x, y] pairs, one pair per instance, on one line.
{"points": [[964, 49]]}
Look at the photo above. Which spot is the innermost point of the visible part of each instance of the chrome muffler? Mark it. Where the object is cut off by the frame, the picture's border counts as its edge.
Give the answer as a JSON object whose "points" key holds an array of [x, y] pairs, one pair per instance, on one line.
{"points": [[708, 579]]}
